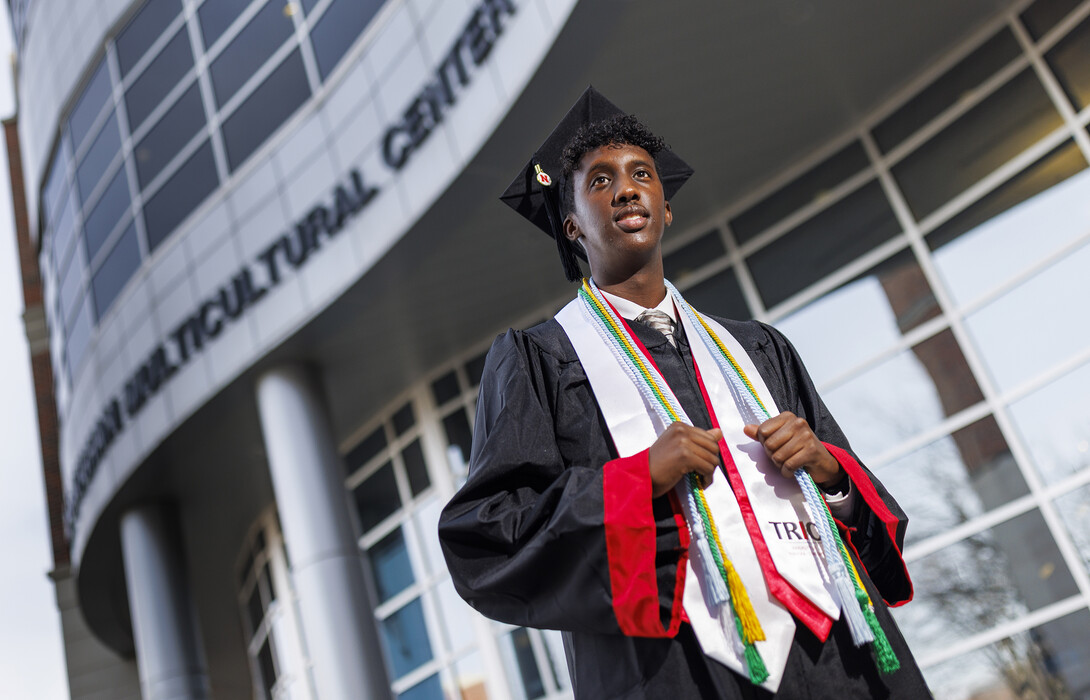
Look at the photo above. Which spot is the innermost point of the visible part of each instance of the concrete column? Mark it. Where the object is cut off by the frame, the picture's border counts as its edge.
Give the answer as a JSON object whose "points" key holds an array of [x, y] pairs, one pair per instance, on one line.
{"points": [[169, 655], [308, 480]]}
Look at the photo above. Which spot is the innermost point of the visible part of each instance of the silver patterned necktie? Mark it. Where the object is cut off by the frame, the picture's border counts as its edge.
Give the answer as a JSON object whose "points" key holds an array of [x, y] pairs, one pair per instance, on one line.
{"points": [[661, 322]]}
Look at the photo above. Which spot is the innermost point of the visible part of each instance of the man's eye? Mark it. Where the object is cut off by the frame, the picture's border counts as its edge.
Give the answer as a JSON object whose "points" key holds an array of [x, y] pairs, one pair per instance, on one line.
{"points": [[643, 173], [600, 180]]}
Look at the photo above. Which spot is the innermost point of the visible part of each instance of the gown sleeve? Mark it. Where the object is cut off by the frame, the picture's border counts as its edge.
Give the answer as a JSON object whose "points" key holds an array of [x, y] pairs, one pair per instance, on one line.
{"points": [[551, 529], [877, 525]]}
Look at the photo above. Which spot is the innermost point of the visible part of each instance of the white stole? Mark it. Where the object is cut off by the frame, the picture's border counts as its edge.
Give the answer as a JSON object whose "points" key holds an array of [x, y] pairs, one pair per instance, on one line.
{"points": [[778, 503]]}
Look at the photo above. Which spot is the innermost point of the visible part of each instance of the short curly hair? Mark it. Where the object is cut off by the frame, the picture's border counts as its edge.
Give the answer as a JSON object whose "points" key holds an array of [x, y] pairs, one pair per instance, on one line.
{"points": [[622, 130]]}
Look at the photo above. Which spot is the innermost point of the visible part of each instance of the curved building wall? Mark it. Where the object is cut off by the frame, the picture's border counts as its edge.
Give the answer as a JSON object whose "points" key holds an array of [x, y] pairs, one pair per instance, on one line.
{"points": [[222, 171]]}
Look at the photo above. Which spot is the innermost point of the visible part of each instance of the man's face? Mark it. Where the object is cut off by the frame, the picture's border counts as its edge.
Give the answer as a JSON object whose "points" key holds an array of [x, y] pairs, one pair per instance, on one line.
{"points": [[619, 211]]}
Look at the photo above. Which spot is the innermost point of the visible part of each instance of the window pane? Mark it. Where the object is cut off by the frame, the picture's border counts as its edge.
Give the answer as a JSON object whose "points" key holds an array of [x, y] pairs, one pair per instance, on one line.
{"points": [[1070, 60], [64, 233], [403, 419], [367, 450], [904, 395], [1054, 422], [159, 78], [115, 271], [143, 30], [338, 28], [1054, 168], [184, 119], [874, 311], [415, 468], [801, 191], [458, 431], [57, 184], [945, 92], [265, 109], [456, 617], [426, 520], [265, 33], [71, 291], [445, 388], [406, 638], [1045, 14], [255, 610], [682, 262], [268, 670], [106, 147], [428, 689], [1047, 661], [377, 498], [719, 295], [79, 334], [390, 565], [954, 479], [180, 195], [823, 244], [470, 678], [974, 585], [1074, 511], [475, 369], [216, 15], [90, 103], [522, 671], [1010, 331], [111, 206], [1007, 122]]}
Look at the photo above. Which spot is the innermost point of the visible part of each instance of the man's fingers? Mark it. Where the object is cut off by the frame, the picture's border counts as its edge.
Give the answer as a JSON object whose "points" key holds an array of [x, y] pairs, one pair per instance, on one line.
{"points": [[750, 431]]}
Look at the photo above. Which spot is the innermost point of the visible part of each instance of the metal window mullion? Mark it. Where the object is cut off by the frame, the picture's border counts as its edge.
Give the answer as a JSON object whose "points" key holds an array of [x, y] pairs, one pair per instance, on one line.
{"points": [[1062, 28], [1052, 85], [208, 101], [927, 436], [1018, 450], [306, 50]]}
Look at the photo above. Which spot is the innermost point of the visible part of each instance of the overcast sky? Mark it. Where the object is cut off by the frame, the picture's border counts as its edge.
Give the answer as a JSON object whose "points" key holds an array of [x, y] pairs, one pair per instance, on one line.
{"points": [[31, 653]]}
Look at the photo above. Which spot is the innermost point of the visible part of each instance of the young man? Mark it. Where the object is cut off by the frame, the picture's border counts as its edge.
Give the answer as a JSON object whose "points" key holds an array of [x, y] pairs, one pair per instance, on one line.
{"points": [[633, 474]]}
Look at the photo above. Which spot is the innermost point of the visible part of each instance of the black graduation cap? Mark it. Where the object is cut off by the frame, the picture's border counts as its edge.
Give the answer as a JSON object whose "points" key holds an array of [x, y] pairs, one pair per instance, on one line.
{"points": [[535, 191]]}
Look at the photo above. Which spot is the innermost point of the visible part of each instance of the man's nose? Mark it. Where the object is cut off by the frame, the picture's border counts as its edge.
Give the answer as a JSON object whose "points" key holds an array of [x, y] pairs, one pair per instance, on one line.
{"points": [[625, 192]]}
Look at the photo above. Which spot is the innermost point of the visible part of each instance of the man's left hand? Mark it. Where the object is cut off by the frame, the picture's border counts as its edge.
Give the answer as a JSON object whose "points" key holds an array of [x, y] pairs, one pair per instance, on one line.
{"points": [[792, 445]]}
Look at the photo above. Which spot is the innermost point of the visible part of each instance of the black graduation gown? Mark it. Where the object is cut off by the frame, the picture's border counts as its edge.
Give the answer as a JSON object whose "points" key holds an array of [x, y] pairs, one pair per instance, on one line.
{"points": [[552, 530]]}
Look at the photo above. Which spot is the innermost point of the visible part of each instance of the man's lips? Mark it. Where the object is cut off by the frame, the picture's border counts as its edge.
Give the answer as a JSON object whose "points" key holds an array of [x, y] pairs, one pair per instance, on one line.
{"points": [[632, 218]]}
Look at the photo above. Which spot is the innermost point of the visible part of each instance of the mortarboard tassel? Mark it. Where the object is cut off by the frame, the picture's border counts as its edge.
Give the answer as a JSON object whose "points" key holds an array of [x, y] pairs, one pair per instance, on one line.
{"points": [[556, 223]]}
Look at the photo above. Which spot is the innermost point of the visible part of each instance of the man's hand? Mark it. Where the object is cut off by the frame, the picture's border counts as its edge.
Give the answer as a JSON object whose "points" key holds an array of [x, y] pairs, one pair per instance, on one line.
{"points": [[682, 449], [792, 445]]}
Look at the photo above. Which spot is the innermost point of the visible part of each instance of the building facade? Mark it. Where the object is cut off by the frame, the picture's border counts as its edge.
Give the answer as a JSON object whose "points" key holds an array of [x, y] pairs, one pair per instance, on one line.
{"points": [[271, 264]]}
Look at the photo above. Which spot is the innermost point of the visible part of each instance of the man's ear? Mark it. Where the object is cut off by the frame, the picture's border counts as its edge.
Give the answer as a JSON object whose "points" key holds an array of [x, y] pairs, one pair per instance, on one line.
{"points": [[669, 214], [571, 229]]}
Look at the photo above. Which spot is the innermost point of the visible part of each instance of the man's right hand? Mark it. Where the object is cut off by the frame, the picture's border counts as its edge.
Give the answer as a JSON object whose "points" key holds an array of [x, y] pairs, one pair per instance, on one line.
{"points": [[682, 449]]}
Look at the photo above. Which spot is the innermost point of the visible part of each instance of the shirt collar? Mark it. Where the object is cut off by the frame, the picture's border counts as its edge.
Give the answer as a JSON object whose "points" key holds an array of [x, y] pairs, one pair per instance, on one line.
{"points": [[630, 309]]}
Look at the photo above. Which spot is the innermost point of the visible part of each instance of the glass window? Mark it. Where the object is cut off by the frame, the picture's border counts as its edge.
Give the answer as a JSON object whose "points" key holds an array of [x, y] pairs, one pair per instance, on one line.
{"points": [[1046, 14], [428, 689], [523, 673], [377, 497], [824, 243], [265, 109], [180, 195], [415, 468], [403, 419], [458, 432], [90, 103], [803, 190], [71, 291], [1047, 661], [445, 388], [169, 135], [456, 617], [1074, 509], [390, 565], [308, 5], [1070, 61], [945, 92], [1054, 422], [79, 335], [719, 295], [64, 233], [159, 78], [56, 184], [115, 271], [978, 583], [265, 33], [870, 314], [954, 479], [406, 638], [111, 206], [368, 449], [475, 369], [1031, 328], [216, 15], [143, 30], [692, 256], [470, 678], [106, 147], [1057, 166], [338, 28], [1003, 125], [268, 670], [904, 395]]}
